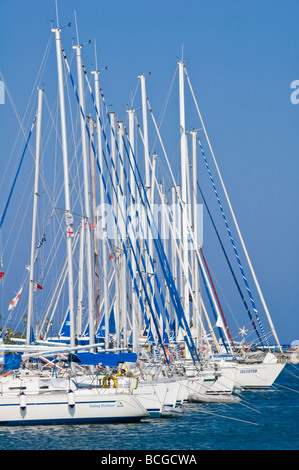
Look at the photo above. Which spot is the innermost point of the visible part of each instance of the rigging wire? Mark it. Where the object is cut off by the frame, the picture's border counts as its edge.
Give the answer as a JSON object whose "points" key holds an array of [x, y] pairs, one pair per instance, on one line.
{"points": [[183, 210], [21, 122], [229, 264], [226, 417], [113, 186], [163, 111], [239, 234], [158, 245], [16, 175], [234, 247]]}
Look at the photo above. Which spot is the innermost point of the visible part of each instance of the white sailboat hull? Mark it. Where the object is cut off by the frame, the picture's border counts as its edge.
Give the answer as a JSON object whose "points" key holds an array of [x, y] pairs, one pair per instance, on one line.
{"points": [[225, 382], [79, 406], [158, 395], [197, 384], [171, 399], [183, 390], [258, 375], [152, 396]]}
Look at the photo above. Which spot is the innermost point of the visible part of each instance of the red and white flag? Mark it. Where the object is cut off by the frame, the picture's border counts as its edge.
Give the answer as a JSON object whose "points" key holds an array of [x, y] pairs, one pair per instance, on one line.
{"points": [[70, 232], [15, 300], [37, 287]]}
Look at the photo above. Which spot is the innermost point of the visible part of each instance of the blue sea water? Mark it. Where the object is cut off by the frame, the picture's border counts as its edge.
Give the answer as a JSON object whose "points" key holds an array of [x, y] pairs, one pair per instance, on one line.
{"points": [[267, 420]]}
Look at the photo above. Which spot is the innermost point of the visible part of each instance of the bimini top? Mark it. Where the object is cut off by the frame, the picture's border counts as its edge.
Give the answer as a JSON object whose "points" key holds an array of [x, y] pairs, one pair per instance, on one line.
{"points": [[105, 359]]}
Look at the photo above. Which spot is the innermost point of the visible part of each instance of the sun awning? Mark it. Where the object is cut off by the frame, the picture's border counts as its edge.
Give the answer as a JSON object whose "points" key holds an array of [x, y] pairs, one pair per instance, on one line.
{"points": [[105, 359]]}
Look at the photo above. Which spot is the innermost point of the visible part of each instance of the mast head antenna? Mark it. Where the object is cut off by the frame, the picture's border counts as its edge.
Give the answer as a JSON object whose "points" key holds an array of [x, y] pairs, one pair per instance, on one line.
{"points": [[144, 74], [57, 19]]}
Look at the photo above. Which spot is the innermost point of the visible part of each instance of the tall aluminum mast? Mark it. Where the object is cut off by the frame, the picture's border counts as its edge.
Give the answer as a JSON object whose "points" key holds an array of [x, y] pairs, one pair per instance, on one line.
{"points": [[135, 309], [184, 163], [196, 285], [122, 264], [145, 131], [66, 180], [94, 219], [113, 120], [103, 230], [90, 289], [34, 217]]}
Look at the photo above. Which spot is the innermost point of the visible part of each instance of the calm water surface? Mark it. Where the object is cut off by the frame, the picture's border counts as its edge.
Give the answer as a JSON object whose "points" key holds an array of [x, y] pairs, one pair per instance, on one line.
{"points": [[262, 421]]}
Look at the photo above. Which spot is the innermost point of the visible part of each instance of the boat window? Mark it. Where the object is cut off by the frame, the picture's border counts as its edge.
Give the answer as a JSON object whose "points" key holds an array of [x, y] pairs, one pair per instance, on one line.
{"points": [[16, 388]]}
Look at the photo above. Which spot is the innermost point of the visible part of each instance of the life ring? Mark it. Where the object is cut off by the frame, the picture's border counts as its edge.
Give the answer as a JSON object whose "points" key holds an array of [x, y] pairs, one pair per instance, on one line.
{"points": [[107, 381]]}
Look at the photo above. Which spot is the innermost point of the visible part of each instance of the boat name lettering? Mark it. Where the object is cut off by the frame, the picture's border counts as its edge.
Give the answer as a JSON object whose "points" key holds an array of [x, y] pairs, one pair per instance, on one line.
{"points": [[248, 371], [102, 405]]}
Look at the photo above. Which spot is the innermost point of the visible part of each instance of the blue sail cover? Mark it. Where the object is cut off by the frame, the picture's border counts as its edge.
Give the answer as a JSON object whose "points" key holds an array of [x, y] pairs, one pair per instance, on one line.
{"points": [[12, 361], [105, 359]]}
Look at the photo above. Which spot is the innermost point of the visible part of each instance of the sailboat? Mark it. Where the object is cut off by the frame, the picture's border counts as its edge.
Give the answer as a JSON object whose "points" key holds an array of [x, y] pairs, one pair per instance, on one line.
{"points": [[31, 397], [145, 350], [48, 400]]}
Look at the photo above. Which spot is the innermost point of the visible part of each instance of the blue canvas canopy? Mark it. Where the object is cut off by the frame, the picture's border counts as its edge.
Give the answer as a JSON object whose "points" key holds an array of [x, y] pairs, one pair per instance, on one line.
{"points": [[12, 361], [105, 359]]}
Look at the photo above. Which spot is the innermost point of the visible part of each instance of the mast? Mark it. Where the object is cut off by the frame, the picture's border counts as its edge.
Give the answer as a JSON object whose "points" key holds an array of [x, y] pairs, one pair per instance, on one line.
{"points": [[102, 202], [121, 187], [196, 287], [80, 280], [122, 268], [66, 181], [113, 120], [135, 313], [94, 218], [165, 238], [34, 217], [86, 194], [145, 131], [173, 245], [184, 163], [146, 231], [152, 199]]}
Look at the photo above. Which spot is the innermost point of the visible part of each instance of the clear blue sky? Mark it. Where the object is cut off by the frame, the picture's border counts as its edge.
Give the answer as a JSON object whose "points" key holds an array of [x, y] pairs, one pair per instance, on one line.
{"points": [[241, 56]]}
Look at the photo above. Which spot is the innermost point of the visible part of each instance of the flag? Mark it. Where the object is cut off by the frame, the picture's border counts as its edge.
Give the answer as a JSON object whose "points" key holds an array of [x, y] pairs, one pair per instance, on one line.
{"points": [[2, 274], [43, 239], [70, 232], [37, 286], [15, 300], [69, 219], [111, 256], [4, 334]]}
